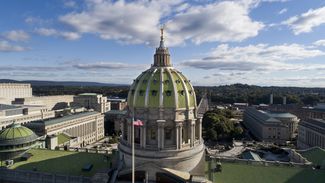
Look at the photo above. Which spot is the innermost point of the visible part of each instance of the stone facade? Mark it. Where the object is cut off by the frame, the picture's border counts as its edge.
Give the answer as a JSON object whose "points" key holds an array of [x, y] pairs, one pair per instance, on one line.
{"points": [[311, 133], [55, 102], [87, 126], [23, 114], [10, 91], [274, 127], [93, 101]]}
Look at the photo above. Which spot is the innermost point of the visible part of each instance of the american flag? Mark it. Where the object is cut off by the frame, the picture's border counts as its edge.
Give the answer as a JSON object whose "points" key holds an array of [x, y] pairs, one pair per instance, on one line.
{"points": [[138, 123]]}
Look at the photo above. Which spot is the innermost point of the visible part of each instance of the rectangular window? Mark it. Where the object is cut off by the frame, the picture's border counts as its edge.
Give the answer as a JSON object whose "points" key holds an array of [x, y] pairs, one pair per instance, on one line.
{"points": [[168, 134], [153, 134]]}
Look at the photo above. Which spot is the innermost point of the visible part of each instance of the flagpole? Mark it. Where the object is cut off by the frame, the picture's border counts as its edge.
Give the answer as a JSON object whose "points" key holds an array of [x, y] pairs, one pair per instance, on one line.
{"points": [[133, 173]]}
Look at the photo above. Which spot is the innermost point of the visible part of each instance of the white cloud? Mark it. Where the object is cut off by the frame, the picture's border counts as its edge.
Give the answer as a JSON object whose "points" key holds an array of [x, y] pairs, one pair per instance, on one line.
{"points": [[307, 21], [69, 4], [52, 32], [137, 22], [5, 46], [16, 35], [107, 66], [257, 57], [223, 21], [284, 10], [320, 42]]}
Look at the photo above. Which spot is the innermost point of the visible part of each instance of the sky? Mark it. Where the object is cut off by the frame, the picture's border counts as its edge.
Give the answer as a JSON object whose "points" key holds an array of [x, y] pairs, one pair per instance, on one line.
{"points": [[260, 42]]}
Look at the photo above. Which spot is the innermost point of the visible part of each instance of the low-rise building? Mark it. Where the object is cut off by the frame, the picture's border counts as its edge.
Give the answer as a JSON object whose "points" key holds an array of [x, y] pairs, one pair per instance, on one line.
{"points": [[88, 127], [311, 133], [92, 101], [118, 103], [55, 102], [276, 127], [21, 114]]}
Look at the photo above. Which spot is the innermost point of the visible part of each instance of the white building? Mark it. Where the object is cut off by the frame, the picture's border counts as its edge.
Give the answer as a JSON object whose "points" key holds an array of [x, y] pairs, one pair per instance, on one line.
{"points": [[93, 101], [311, 133], [277, 127], [10, 91], [22, 114], [88, 127]]}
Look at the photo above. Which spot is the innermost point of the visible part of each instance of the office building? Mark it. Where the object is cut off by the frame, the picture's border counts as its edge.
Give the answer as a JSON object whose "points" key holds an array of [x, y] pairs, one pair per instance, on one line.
{"points": [[277, 127], [10, 91], [311, 133]]}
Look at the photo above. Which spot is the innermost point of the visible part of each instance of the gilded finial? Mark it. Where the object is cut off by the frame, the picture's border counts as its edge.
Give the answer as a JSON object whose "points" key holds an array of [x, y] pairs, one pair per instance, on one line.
{"points": [[162, 27]]}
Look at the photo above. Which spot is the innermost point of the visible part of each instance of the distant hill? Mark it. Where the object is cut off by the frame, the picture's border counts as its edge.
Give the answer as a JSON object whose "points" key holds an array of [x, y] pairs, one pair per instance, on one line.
{"points": [[60, 83]]}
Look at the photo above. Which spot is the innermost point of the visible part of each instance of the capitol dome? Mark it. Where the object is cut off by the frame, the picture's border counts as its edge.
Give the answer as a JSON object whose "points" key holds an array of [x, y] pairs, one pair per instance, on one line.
{"points": [[162, 87], [15, 140], [171, 135]]}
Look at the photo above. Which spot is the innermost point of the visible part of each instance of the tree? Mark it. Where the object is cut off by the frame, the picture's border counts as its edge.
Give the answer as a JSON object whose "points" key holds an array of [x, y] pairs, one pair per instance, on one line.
{"points": [[216, 125]]}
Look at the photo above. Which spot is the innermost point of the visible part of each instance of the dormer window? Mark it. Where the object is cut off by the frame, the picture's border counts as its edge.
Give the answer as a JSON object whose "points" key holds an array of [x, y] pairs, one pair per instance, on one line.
{"points": [[166, 81], [190, 92], [154, 92], [178, 81], [168, 93], [137, 81], [182, 92]]}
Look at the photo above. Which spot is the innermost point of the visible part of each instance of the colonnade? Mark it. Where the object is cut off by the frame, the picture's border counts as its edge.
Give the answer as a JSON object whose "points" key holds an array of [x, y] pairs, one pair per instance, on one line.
{"points": [[193, 127]]}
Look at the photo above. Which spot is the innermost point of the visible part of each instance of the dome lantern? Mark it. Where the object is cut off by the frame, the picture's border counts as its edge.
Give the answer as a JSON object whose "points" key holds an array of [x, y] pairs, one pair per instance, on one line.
{"points": [[162, 56]]}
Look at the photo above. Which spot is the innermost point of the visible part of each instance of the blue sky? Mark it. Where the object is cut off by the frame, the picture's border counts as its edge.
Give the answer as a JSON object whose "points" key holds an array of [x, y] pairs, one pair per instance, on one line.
{"points": [[262, 42]]}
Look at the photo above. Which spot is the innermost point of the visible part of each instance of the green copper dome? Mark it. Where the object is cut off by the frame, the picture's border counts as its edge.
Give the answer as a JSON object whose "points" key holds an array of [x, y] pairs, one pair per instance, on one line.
{"points": [[16, 134], [162, 86], [15, 141]]}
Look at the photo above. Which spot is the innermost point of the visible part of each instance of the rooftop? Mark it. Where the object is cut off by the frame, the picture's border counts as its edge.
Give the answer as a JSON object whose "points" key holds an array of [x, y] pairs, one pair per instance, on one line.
{"points": [[66, 118], [6, 107], [280, 114], [241, 173], [63, 162], [315, 155], [88, 94], [314, 122]]}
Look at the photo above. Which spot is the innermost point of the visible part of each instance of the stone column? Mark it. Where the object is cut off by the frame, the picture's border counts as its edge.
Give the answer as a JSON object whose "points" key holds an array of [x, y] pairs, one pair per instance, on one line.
{"points": [[192, 132], [161, 133], [177, 137], [179, 140], [129, 132], [199, 121], [143, 136]]}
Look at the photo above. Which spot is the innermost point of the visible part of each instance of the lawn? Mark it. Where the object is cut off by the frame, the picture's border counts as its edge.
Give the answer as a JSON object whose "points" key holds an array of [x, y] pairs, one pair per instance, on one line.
{"points": [[240, 173], [63, 162], [315, 155]]}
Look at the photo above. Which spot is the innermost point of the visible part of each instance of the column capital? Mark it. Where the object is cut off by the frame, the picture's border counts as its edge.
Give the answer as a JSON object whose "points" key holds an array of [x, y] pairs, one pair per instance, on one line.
{"points": [[192, 121], [179, 123], [161, 123]]}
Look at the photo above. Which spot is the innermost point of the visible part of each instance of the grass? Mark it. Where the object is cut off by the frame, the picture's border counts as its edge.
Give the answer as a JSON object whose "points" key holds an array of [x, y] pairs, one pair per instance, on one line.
{"points": [[62, 138], [240, 173], [62, 162], [315, 155]]}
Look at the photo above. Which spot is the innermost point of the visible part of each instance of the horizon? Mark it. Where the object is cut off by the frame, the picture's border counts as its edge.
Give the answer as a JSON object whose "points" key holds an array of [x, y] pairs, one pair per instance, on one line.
{"points": [[214, 43], [123, 84]]}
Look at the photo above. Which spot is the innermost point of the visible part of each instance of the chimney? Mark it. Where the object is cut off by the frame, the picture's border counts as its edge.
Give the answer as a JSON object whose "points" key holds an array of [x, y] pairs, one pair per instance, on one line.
{"points": [[284, 100], [271, 99]]}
